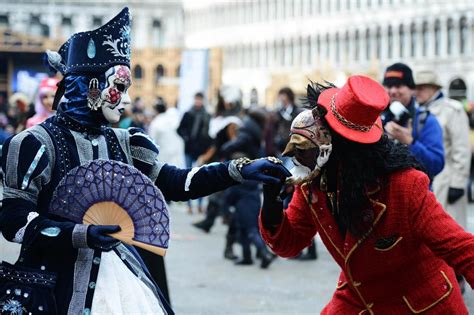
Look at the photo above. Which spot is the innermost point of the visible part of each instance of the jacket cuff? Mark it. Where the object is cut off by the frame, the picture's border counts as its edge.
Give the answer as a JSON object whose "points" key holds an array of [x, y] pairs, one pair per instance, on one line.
{"points": [[458, 181], [234, 172], [79, 236], [269, 237]]}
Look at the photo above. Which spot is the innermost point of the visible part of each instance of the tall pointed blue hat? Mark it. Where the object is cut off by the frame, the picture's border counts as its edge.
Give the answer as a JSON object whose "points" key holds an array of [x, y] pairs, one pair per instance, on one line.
{"points": [[97, 50]]}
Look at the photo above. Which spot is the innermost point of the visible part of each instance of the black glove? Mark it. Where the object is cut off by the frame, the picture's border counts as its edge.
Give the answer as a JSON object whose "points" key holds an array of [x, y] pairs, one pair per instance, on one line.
{"points": [[272, 208], [97, 237], [454, 194]]}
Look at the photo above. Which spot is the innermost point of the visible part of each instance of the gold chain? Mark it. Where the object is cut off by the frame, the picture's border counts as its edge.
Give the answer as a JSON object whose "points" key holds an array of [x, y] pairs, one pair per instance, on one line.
{"points": [[344, 121]]}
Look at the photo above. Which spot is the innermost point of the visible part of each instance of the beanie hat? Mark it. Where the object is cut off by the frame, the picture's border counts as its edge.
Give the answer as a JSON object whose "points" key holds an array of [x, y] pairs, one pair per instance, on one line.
{"points": [[399, 74]]}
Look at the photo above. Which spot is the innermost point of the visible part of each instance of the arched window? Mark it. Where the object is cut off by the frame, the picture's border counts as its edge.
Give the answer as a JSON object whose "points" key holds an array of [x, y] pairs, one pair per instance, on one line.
{"points": [[378, 43], [37, 28], [463, 34], [401, 34], [275, 53], [437, 33], [4, 21], [368, 46], [347, 44], [282, 52], [318, 47], [426, 36], [328, 44], [299, 49], [458, 89], [178, 69], [137, 72], [413, 40], [289, 53], [356, 45], [451, 39], [309, 51], [266, 54], [159, 72], [253, 97], [390, 42]]}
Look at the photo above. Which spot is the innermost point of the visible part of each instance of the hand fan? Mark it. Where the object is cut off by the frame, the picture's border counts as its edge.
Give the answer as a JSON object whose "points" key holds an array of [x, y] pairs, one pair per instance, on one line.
{"points": [[104, 192]]}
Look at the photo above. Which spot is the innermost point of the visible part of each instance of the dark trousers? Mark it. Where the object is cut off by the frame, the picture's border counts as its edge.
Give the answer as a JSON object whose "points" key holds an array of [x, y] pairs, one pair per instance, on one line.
{"points": [[245, 198]]}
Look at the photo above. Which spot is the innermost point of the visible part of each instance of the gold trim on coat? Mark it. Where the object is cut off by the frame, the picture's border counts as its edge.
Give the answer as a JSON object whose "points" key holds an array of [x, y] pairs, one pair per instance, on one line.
{"points": [[391, 246], [450, 285], [317, 218], [348, 268], [342, 285]]}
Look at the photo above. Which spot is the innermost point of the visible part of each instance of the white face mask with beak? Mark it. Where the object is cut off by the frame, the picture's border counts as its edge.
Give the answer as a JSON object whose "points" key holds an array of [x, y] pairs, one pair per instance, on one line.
{"points": [[115, 95]]}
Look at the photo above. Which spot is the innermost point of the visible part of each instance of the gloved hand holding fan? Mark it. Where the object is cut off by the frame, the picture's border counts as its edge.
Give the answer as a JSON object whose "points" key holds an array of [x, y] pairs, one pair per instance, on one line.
{"points": [[104, 192]]}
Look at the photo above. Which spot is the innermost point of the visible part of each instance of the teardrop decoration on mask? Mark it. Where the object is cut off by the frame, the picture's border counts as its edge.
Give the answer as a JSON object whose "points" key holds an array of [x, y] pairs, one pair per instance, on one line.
{"points": [[91, 49]]}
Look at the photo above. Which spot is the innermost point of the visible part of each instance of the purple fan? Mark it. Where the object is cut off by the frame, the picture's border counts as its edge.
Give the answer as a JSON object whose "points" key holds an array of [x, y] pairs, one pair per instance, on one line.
{"points": [[104, 192]]}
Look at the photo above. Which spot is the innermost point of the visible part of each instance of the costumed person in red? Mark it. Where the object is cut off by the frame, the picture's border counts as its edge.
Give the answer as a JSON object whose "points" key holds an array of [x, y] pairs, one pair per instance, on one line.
{"points": [[44, 102], [370, 202]]}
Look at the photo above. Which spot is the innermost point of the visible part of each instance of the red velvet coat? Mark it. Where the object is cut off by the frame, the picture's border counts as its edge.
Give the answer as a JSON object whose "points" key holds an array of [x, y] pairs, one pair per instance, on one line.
{"points": [[402, 265]]}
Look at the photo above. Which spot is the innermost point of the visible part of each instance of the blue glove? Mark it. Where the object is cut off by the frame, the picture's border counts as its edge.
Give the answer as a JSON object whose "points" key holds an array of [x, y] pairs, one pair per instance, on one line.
{"points": [[268, 171], [97, 237]]}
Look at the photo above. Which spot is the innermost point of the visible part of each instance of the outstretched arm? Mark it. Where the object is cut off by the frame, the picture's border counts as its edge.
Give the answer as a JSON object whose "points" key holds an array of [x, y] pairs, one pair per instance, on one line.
{"points": [[184, 184]]}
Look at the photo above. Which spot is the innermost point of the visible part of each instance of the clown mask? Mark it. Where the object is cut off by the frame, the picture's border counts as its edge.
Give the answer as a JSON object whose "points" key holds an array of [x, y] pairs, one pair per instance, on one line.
{"points": [[310, 146], [115, 96]]}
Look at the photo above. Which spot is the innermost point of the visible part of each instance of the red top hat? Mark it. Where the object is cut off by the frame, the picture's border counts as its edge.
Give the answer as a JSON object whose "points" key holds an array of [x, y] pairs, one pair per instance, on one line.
{"points": [[354, 110]]}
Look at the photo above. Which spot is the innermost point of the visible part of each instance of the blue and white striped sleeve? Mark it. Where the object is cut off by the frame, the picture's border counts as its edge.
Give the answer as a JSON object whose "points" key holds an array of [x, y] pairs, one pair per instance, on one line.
{"points": [[26, 167]]}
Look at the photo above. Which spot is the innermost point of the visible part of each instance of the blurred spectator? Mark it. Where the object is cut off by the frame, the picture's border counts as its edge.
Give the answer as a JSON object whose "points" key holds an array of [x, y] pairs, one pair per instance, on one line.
{"points": [[44, 101], [138, 111], [194, 129], [4, 135], [405, 121], [277, 133], [126, 120], [450, 185], [223, 128], [162, 130], [245, 198], [18, 112]]}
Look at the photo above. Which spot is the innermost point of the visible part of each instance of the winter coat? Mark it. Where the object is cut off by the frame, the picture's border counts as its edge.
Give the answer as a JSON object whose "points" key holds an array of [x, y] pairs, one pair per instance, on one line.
{"points": [[457, 152], [402, 265], [163, 131], [427, 145]]}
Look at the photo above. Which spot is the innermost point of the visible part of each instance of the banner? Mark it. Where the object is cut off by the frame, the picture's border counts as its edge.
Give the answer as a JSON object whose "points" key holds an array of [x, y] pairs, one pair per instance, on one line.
{"points": [[193, 77]]}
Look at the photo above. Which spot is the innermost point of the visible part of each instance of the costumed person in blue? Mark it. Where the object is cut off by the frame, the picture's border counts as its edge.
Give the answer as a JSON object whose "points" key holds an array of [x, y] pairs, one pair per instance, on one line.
{"points": [[94, 272]]}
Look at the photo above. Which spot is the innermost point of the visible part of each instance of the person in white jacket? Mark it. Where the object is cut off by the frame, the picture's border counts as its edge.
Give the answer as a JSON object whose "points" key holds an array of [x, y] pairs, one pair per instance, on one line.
{"points": [[450, 185], [163, 131]]}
